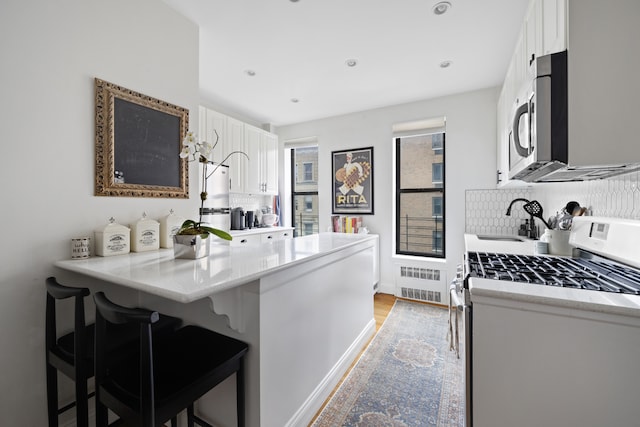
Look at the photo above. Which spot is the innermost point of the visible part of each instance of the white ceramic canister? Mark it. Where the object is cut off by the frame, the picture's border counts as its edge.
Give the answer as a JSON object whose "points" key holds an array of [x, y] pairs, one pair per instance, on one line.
{"points": [[145, 234], [169, 226], [80, 247], [113, 239]]}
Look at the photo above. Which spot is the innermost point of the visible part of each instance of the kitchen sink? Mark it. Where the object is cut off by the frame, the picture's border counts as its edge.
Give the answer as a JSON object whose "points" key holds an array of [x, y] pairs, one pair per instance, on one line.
{"points": [[500, 238]]}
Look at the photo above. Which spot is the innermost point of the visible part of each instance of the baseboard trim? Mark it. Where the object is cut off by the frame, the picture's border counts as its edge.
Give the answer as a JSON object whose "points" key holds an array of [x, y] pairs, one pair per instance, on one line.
{"points": [[314, 402]]}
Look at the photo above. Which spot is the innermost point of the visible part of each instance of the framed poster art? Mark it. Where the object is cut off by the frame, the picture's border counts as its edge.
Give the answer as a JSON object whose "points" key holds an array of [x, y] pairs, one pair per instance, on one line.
{"points": [[352, 181]]}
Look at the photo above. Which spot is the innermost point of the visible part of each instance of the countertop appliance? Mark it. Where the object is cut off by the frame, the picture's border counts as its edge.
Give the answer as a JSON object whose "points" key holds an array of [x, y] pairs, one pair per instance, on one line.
{"points": [[575, 120], [547, 324], [237, 219], [215, 209]]}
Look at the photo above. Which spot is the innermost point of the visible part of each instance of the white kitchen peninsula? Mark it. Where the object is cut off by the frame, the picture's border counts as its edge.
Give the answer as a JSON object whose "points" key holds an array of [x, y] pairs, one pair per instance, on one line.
{"points": [[304, 305]]}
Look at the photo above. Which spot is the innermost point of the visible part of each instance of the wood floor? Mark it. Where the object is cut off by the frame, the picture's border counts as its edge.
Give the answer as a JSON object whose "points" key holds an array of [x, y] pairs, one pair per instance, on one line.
{"points": [[382, 304]]}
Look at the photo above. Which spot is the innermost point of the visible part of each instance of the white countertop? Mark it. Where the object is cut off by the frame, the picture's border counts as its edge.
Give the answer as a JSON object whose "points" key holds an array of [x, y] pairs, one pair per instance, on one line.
{"points": [[259, 230], [594, 301], [183, 280]]}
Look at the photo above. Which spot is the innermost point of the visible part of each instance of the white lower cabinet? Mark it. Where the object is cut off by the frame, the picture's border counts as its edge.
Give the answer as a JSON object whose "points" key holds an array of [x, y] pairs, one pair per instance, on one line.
{"points": [[246, 240], [260, 235]]}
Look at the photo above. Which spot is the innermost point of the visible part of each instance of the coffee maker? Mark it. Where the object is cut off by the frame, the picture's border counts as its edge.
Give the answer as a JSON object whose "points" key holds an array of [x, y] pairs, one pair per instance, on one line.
{"points": [[237, 219]]}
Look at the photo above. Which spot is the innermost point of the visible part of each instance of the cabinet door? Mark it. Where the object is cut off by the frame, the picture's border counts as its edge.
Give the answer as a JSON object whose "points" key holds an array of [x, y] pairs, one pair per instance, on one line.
{"points": [[502, 157], [270, 163], [238, 164], [253, 142], [554, 25], [216, 123], [533, 36]]}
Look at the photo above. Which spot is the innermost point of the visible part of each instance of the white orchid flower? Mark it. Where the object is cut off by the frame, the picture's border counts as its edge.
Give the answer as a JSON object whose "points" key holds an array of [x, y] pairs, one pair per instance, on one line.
{"points": [[206, 150]]}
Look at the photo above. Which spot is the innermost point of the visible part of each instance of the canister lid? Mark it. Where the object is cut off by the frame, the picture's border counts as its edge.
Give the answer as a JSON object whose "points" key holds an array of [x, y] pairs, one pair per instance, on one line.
{"points": [[112, 227], [144, 221]]}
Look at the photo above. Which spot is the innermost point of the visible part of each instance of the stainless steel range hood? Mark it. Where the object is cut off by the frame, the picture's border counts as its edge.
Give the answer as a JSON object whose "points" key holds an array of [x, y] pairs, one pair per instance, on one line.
{"points": [[559, 172]]}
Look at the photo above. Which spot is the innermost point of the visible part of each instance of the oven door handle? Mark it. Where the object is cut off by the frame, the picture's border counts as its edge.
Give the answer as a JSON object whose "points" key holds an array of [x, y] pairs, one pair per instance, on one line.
{"points": [[455, 307]]}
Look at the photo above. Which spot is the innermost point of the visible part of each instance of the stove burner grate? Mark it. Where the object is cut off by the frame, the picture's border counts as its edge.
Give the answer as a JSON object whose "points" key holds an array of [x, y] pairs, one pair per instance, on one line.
{"points": [[576, 273]]}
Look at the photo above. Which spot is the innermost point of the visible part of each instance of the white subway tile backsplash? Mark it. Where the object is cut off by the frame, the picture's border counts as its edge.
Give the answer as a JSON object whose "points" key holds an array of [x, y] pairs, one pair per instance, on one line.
{"points": [[617, 197]]}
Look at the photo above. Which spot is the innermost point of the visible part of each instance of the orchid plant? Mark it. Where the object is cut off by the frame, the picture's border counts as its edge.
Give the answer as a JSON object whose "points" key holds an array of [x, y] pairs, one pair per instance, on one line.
{"points": [[193, 149]]}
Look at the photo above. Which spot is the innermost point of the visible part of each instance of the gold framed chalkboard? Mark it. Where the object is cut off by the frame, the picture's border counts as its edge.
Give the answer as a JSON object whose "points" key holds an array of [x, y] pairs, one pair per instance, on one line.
{"points": [[138, 143]]}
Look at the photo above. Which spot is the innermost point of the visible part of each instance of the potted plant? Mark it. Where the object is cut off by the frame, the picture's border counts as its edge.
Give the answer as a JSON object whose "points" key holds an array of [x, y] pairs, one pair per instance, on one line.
{"points": [[192, 239]]}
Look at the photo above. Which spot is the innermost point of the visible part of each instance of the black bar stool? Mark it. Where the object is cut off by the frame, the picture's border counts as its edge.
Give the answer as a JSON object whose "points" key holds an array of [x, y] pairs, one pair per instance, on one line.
{"points": [[72, 353], [167, 375]]}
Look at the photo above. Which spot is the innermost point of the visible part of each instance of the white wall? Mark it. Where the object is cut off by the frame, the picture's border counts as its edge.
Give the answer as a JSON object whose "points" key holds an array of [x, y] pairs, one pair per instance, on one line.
{"points": [[470, 161], [51, 51]]}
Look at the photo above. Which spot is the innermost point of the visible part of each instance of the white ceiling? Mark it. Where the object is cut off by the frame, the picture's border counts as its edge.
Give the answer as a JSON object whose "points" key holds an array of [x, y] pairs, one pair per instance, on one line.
{"points": [[298, 50]]}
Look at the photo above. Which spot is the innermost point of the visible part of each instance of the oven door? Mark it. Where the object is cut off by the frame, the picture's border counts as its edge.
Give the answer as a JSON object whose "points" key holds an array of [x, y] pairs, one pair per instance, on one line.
{"points": [[460, 306]]}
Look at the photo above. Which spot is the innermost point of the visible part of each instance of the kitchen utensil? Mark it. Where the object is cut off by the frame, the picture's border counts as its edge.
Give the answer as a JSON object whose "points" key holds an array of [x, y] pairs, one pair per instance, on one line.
{"points": [[534, 208]]}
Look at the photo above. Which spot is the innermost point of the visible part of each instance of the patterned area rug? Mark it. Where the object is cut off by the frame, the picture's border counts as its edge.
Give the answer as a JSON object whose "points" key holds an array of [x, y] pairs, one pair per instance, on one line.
{"points": [[406, 377]]}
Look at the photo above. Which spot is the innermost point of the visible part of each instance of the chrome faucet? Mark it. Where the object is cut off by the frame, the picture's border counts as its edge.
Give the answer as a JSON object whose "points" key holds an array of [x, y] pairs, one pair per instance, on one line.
{"points": [[531, 231]]}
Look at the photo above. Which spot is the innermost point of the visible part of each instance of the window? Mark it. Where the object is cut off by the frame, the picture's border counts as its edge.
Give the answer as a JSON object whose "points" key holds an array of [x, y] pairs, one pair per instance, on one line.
{"points": [[436, 239], [308, 172], [420, 201], [308, 228], [437, 142], [436, 207], [304, 190]]}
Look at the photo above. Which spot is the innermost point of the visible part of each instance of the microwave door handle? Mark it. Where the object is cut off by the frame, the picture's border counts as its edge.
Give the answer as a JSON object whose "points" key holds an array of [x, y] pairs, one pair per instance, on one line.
{"points": [[523, 109]]}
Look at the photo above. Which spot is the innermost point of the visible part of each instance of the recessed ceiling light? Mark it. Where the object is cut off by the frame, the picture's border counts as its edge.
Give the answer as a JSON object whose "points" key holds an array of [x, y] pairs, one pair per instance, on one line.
{"points": [[293, 1], [351, 62], [250, 73], [445, 64], [295, 100], [441, 8]]}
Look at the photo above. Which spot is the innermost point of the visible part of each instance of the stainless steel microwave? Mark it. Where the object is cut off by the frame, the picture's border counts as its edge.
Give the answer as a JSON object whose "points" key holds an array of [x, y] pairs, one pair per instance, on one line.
{"points": [[538, 141]]}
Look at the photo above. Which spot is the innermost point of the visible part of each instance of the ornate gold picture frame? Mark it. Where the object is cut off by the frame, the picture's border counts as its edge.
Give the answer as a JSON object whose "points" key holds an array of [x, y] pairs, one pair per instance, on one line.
{"points": [[138, 143]]}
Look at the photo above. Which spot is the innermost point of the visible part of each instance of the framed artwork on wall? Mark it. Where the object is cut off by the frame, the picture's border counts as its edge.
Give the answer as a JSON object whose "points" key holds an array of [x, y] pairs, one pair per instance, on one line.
{"points": [[352, 181]]}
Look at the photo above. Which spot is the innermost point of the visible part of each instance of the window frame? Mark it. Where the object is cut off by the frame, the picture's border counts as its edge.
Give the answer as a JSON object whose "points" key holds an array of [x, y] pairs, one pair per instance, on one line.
{"points": [[294, 193], [440, 190]]}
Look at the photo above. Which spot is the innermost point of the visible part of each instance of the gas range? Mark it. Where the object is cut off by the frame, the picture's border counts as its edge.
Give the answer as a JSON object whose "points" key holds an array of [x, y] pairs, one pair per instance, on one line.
{"points": [[586, 272], [606, 263]]}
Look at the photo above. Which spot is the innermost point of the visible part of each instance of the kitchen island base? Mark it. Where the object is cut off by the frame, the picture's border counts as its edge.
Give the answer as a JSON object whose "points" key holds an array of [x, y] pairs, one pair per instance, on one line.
{"points": [[305, 322]]}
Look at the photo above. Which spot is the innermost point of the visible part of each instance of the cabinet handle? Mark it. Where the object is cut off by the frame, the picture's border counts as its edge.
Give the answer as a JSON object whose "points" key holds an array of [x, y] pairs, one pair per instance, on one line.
{"points": [[243, 241], [498, 178], [533, 58], [269, 237], [285, 234]]}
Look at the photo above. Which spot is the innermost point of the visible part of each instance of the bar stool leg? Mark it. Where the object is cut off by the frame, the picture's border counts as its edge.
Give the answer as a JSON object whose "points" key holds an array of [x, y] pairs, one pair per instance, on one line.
{"points": [[52, 395], [240, 393], [190, 414]]}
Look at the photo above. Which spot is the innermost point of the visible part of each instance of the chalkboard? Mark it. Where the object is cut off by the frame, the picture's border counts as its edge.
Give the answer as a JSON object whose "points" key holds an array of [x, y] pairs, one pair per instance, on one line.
{"points": [[138, 143], [146, 142]]}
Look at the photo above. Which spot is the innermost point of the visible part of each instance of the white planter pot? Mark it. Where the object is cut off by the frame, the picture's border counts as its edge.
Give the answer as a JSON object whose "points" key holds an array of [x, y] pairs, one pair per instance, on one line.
{"points": [[190, 247]]}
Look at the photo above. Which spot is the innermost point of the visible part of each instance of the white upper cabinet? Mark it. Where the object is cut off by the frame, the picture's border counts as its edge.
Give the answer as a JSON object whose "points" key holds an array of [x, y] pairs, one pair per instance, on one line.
{"points": [[238, 164], [262, 148], [256, 175], [533, 30], [554, 18]]}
